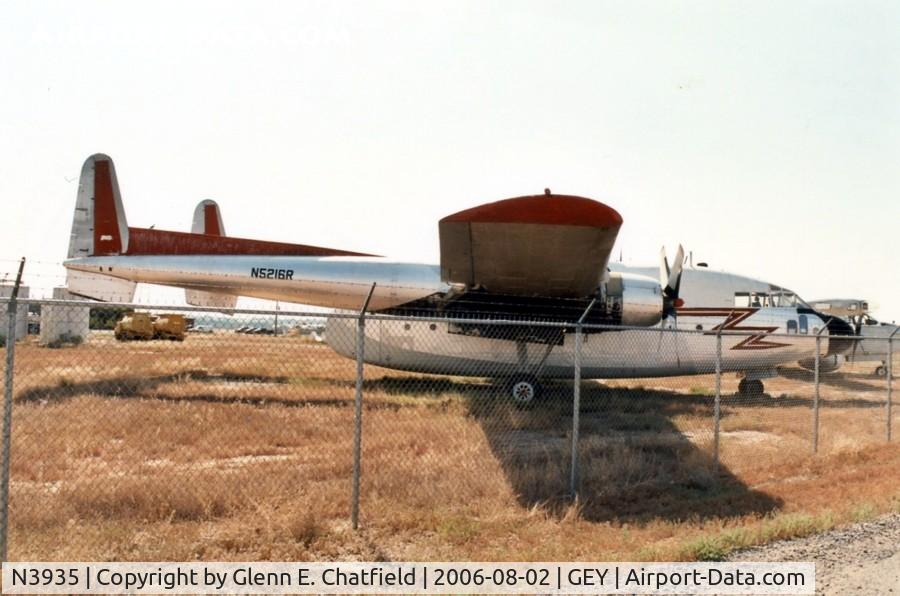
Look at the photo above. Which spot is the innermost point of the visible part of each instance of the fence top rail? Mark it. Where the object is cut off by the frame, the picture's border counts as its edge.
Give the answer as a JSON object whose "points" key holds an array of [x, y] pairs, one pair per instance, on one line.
{"points": [[175, 307], [569, 326]]}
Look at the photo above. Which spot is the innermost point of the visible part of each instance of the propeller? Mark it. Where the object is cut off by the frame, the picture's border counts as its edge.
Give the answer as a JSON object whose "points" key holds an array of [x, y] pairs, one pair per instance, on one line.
{"points": [[670, 280]]}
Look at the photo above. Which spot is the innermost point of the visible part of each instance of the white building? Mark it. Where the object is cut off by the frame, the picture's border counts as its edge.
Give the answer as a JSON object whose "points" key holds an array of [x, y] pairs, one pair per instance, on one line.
{"points": [[21, 314], [60, 321]]}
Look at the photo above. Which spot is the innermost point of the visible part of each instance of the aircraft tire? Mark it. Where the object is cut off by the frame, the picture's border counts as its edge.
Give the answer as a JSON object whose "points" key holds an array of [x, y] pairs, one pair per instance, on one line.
{"points": [[524, 390], [751, 387], [881, 371]]}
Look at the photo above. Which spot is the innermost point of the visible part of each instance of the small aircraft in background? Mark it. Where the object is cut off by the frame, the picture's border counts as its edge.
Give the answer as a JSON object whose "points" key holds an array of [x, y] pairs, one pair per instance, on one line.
{"points": [[532, 258], [871, 346]]}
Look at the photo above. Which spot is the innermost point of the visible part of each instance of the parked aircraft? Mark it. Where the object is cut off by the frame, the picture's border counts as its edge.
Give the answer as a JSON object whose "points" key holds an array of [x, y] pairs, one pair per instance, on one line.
{"points": [[542, 257], [872, 346]]}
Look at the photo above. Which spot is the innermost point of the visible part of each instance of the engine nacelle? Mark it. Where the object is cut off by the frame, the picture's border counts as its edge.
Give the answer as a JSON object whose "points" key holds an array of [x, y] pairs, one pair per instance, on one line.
{"points": [[634, 300], [622, 299]]}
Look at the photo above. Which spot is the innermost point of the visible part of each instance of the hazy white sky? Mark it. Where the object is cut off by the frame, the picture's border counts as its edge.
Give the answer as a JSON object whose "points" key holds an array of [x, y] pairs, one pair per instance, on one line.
{"points": [[765, 136]]}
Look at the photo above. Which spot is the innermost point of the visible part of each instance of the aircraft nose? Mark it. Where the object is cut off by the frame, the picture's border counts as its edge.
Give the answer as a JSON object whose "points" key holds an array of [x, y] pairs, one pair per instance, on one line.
{"points": [[843, 336]]}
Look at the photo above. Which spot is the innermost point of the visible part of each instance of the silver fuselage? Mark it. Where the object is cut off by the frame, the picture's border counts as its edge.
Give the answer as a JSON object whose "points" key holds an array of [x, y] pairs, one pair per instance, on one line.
{"points": [[431, 347], [331, 282], [344, 282]]}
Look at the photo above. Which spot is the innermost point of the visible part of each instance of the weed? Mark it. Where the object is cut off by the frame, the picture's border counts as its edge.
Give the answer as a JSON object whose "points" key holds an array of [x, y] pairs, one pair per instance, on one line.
{"points": [[65, 339], [304, 528], [705, 549], [863, 512], [457, 529]]}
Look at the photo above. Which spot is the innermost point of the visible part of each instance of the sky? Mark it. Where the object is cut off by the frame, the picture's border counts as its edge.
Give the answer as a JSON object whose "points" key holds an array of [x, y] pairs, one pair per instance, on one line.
{"points": [[763, 136]]}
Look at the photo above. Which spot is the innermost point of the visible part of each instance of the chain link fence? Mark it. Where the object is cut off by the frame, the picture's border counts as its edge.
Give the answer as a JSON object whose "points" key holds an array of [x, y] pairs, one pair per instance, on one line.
{"points": [[251, 432]]}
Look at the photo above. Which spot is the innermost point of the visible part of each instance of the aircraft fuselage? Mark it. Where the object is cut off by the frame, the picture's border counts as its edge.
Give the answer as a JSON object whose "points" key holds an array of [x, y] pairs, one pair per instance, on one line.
{"points": [[753, 338]]}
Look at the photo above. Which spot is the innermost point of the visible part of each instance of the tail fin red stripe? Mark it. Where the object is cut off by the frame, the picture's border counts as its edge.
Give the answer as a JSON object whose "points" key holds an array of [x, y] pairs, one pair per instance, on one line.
{"points": [[163, 242], [106, 225], [211, 220]]}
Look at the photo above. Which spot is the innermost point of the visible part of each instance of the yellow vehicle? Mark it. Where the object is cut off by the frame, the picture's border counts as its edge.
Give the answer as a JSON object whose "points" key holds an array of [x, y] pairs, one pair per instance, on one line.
{"points": [[136, 325], [169, 327], [144, 326]]}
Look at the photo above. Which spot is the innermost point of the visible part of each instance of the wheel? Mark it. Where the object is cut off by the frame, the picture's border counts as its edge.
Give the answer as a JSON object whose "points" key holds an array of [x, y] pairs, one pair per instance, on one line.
{"points": [[751, 387], [881, 371], [524, 390]]}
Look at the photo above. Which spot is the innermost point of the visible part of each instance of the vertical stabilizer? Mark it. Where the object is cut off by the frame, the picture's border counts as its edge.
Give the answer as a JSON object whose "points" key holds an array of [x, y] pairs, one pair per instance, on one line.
{"points": [[99, 227], [208, 219]]}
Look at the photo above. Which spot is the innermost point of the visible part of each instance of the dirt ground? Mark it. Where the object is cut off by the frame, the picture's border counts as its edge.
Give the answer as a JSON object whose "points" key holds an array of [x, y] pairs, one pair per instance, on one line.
{"points": [[236, 447]]}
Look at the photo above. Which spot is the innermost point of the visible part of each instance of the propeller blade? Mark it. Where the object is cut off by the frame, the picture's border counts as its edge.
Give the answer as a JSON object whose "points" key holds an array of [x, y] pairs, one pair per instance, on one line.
{"points": [[663, 268], [673, 283]]}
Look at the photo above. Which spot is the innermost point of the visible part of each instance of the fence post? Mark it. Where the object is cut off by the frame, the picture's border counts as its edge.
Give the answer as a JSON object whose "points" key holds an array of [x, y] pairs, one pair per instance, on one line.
{"points": [[890, 379], [576, 399], [357, 415], [11, 312], [576, 412], [717, 407], [815, 425]]}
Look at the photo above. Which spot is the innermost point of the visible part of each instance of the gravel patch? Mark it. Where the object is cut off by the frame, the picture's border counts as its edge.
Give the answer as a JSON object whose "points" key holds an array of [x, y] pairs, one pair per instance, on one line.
{"points": [[860, 559]]}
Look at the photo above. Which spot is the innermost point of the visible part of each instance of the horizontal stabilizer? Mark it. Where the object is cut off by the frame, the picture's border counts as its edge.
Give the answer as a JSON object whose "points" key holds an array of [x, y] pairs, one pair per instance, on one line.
{"points": [[99, 287], [209, 299]]}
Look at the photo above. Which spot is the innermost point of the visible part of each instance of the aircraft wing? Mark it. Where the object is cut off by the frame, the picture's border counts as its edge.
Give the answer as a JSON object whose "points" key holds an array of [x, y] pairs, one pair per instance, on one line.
{"points": [[554, 246]]}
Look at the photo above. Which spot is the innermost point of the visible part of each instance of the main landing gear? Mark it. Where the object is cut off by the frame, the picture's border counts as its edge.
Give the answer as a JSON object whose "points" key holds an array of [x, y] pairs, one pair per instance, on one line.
{"points": [[524, 390], [523, 387], [881, 370], [751, 388]]}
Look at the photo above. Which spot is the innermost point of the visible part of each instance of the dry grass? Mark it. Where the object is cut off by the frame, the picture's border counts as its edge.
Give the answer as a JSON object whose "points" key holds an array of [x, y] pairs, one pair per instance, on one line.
{"points": [[239, 447]]}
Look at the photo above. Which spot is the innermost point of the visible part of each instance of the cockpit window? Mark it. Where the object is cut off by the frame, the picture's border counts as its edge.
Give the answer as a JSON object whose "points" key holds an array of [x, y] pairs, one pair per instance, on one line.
{"points": [[776, 298]]}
